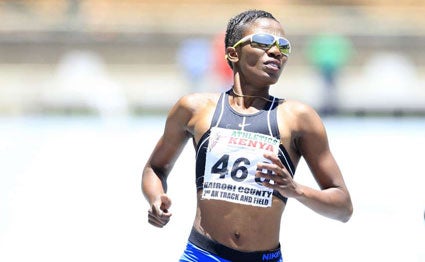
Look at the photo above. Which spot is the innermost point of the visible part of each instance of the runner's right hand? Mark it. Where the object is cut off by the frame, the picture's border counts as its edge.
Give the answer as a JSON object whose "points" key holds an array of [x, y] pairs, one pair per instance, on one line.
{"points": [[159, 215]]}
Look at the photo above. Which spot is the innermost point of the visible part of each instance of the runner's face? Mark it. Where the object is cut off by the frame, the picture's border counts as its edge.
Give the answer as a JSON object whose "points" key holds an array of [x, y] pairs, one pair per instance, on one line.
{"points": [[256, 65]]}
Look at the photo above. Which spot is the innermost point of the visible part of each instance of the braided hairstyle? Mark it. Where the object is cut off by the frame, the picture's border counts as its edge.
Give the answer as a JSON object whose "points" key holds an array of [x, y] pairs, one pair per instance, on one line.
{"points": [[238, 24]]}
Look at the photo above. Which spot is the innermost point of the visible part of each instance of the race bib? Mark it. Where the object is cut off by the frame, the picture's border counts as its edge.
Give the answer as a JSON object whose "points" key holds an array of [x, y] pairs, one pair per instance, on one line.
{"points": [[231, 163]]}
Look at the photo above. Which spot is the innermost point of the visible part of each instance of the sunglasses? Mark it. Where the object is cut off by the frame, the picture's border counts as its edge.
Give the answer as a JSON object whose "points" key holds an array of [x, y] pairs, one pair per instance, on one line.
{"points": [[266, 41]]}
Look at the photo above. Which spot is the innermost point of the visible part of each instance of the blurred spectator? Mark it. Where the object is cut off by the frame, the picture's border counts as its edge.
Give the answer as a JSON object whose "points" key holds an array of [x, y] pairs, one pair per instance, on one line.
{"points": [[328, 53], [390, 69], [221, 68], [81, 81], [194, 55], [394, 75]]}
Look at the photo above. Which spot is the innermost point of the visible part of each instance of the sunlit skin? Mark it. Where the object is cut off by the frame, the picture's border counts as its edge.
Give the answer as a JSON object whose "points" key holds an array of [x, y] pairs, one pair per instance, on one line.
{"points": [[244, 227]]}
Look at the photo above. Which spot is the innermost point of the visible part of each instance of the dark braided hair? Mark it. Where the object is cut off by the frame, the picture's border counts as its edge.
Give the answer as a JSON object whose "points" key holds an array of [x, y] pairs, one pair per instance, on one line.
{"points": [[237, 26]]}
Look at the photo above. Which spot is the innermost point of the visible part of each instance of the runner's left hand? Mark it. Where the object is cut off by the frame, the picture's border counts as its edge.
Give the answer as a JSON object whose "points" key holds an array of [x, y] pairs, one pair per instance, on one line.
{"points": [[281, 180]]}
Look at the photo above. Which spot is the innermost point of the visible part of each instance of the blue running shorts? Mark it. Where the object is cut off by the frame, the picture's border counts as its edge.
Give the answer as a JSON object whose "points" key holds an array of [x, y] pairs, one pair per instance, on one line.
{"points": [[201, 248]]}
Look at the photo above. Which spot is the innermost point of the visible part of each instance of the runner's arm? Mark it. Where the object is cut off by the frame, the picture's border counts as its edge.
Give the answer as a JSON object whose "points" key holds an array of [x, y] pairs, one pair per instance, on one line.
{"points": [[333, 199], [161, 161]]}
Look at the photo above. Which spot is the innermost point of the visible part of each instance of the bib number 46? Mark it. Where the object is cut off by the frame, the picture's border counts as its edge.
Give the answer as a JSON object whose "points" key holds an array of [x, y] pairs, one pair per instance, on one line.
{"points": [[239, 170]]}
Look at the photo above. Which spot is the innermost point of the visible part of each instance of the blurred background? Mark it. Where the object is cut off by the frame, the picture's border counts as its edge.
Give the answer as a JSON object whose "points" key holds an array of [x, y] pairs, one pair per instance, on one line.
{"points": [[92, 56], [85, 86]]}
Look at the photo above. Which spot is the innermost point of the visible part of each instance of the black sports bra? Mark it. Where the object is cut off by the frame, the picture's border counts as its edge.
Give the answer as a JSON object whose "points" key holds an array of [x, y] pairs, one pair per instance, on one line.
{"points": [[262, 122]]}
